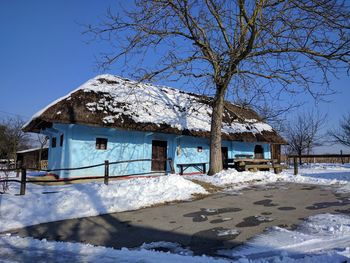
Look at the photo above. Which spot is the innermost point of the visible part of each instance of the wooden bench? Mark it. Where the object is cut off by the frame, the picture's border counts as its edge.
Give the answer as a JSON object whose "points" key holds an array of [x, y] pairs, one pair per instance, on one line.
{"points": [[201, 167]]}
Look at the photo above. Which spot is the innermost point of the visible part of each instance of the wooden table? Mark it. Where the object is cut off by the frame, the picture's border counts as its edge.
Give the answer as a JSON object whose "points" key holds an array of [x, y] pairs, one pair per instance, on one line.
{"points": [[248, 164]]}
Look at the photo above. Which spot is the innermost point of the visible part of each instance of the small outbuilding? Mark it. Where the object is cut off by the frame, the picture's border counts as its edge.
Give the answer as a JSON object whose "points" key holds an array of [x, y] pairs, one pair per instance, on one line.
{"points": [[117, 119], [32, 158]]}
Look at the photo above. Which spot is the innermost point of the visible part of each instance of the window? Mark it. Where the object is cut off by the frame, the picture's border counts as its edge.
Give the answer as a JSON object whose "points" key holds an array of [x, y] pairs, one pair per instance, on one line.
{"points": [[61, 140], [101, 143], [53, 142], [258, 152]]}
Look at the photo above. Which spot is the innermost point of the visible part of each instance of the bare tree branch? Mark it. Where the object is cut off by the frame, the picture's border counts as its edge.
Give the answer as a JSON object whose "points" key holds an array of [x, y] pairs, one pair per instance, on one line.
{"points": [[342, 134], [288, 46]]}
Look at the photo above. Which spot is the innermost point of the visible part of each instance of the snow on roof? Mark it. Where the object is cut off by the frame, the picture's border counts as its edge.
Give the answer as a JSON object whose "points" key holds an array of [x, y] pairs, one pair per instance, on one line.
{"points": [[32, 149], [153, 104], [119, 99]]}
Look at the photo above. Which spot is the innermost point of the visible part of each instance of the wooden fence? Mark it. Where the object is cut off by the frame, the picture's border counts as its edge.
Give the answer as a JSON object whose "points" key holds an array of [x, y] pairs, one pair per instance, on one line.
{"points": [[320, 158], [23, 170]]}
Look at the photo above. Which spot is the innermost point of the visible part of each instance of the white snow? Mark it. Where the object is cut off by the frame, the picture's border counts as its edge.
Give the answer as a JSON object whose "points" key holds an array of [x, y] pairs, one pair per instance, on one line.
{"points": [[37, 114], [228, 232], [170, 246], [16, 249], [323, 237], [32, 149], [51, 203], [210, 210], [336, 175], [264, 218], [147, 103]]}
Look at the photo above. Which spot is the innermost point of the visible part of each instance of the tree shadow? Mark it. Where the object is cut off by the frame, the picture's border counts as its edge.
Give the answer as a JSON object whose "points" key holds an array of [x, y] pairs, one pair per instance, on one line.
{"points": [[110, 231], [107, 230]]}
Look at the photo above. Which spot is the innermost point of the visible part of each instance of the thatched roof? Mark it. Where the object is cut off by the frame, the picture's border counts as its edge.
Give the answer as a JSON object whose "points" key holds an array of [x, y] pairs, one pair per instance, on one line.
{"points": [[111, 101]]}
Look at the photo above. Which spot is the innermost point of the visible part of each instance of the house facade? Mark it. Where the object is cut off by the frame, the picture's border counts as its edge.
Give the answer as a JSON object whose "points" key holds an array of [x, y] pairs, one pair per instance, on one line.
{"points": [[115, 119]]}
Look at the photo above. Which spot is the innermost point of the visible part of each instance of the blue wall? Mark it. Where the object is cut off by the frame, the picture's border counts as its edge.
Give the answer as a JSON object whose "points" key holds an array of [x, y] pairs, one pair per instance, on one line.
{"points": [[79, 150]]}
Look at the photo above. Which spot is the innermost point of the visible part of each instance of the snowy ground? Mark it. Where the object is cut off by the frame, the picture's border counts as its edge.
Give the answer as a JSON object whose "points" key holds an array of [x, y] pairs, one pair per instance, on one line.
{"points": [[17, 249], [321, 238], [51, 203], [319, 174]]}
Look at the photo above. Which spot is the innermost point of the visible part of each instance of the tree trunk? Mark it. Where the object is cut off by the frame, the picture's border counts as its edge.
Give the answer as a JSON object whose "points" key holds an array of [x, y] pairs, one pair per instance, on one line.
{"points": [[299, 154], [215, 164]]}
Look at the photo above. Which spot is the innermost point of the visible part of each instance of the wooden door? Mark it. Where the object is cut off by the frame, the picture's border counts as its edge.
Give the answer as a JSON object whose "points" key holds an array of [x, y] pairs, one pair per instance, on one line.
{"points": [[224, 156], [258, 152], [159, 155]]}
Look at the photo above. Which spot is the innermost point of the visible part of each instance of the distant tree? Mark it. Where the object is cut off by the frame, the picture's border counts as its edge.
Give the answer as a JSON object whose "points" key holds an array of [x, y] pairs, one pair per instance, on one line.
{"points": [[238, 44], [342, 134], [304, 133], [3, 154], [12, 138], [43, 141]]}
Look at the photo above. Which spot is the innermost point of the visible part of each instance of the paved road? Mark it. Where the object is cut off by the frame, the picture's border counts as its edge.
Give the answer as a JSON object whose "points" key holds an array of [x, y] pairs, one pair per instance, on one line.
{"points": [[205, 225]]}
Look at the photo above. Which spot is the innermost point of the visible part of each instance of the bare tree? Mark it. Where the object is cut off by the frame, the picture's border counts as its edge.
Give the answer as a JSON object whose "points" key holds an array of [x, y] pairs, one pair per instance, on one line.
{"points": [[271, 45], [304, 133], [3, 139], [12, 138], [43, 141], [342, 134]]}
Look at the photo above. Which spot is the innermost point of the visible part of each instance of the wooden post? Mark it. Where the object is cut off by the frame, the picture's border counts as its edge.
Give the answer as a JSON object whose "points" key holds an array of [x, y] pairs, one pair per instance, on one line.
{"points": [[23, 181], [106, 172], [171, 165], [295, 165], [18, 167], [341, 156], [204, 169]]}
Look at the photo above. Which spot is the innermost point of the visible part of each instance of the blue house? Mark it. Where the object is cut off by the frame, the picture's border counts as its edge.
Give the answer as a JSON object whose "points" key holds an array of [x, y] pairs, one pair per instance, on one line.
{"points": [[116, 119]]}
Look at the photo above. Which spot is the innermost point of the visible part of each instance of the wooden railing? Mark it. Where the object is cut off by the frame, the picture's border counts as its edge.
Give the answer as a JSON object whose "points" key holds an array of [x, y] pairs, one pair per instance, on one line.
{"points": [[23, 170]]}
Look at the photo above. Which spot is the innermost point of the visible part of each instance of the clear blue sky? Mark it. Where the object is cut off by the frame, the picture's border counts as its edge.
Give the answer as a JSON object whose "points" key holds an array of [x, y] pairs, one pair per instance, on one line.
{"points": [[43, 56]]}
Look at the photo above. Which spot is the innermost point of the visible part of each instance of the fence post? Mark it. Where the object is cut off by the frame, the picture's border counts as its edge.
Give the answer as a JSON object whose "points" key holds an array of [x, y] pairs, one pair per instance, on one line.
{"points": [[23, 181], [295, 165], [341, 156], [106, 172], [171, 164], [18, 167]]}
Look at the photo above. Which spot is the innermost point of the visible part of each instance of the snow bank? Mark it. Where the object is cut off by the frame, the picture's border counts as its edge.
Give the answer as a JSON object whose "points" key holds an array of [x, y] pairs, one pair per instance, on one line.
{"points": [[51, 203], [320, 175], [321, 238], [16, 249]]}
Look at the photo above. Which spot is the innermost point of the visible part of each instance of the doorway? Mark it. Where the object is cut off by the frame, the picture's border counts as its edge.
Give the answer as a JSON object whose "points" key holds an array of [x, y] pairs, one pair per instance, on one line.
{"points": [[224, 156], [258, 152], [159, 155]]}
